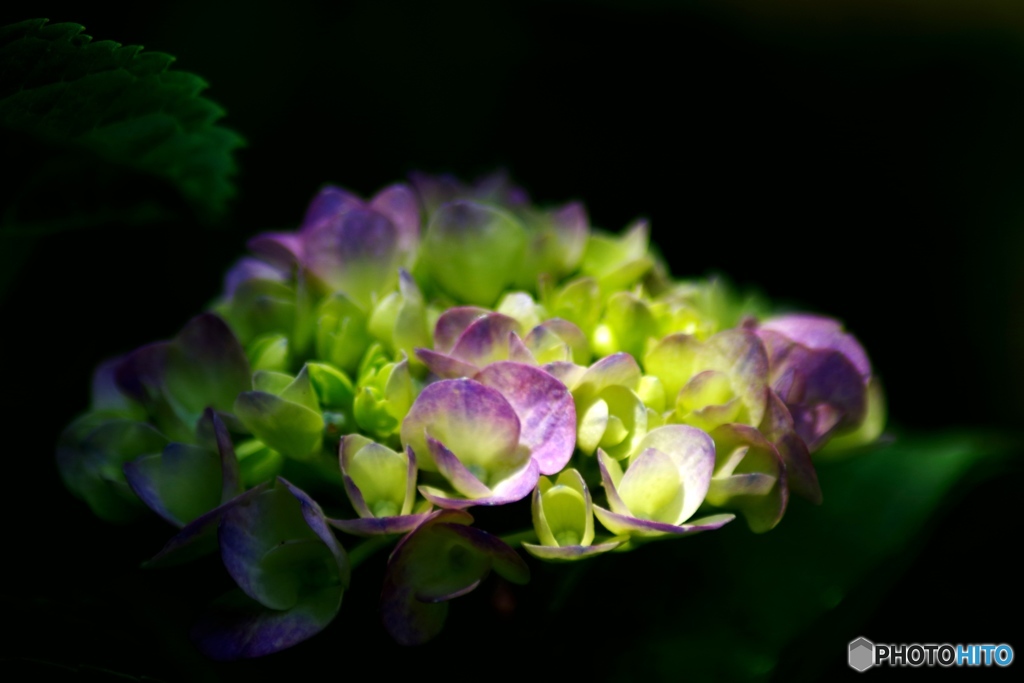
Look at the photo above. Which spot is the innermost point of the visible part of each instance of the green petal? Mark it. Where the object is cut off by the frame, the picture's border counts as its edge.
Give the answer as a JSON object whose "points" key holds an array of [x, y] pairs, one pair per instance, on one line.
{"points": [[631, 321], [473, 251], [381, 475], [341, 332], [672, 360], [292, 429], [565, 511], [651, 488], [592, 422], [333, 388], [630, 414]]}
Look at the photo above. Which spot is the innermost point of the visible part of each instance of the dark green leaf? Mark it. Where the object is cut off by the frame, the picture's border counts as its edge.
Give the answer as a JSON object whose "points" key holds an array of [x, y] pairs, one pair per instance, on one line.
{"points": [[101, 132], [728, 605]]}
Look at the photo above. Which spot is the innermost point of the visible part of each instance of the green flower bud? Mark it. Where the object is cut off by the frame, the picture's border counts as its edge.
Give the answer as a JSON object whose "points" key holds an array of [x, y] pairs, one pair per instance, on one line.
{"points": [[336, 395], [399, 321], [563, 512], [384, 394], [342, 337]]}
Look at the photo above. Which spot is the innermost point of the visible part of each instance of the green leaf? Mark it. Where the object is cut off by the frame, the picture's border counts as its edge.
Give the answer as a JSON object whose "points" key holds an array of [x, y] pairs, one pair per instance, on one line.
{"points": [[729, 604], [103, 132]]}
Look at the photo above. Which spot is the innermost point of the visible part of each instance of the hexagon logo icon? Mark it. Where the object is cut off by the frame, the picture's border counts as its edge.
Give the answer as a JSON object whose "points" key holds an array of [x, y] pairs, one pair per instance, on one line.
{"points": [[862, 654]]}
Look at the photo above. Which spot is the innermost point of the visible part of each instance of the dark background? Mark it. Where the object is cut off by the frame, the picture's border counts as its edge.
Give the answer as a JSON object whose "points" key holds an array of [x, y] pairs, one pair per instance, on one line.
{"points": [[863, 160]]}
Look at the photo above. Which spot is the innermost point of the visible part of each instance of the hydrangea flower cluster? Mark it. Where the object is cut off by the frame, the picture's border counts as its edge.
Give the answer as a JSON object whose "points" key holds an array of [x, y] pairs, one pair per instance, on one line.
{"points": [[443, 346]]}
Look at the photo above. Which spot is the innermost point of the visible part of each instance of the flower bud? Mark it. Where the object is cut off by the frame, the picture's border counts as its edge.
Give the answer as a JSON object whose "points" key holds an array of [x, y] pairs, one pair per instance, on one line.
{"points": [[399, 321], [342, 337], [563, 518], [384, 393]]}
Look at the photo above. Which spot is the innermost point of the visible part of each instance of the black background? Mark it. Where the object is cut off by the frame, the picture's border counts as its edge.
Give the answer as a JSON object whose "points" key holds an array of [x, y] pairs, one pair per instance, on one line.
{"points": [[864, 160]]}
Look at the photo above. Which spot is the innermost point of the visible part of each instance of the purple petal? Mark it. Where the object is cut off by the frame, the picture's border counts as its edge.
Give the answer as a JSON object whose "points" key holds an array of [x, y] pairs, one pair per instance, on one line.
{"points": [[624, 524], [777, 426], [139, 374], [282, 250], [262, 524], [317, 522], [379, 526], [504, 560], [819, 332], [398, 202], [452, 324], [105, 394], [453, 516], [408, 620], [518, 352], [606, 463], [568, 553], [461, 479], [410, 482], [180, 484], [485, 340], [329, 203], [823, 382], [435, 190], [355, 496], [445, 367], [238, 627], [199, 536], [571, 230], [497, 187], [835, 396], [568, 374], [248, 268], [471, 419], [545, 408], [206, 366], [514, 487], [231, 476], [423, 574], [355, 252]]}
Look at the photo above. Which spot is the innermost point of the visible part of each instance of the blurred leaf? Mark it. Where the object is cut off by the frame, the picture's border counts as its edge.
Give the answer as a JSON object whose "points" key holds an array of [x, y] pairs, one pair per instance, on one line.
{"points": [[727, 605], [97, 132]]}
